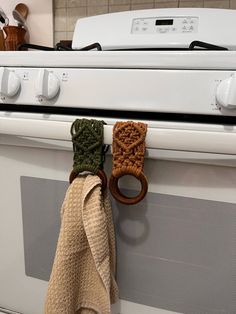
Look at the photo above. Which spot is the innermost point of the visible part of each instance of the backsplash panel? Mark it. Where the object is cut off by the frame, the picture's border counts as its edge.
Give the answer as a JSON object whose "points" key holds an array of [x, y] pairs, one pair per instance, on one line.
{"points": [[66, 12]]}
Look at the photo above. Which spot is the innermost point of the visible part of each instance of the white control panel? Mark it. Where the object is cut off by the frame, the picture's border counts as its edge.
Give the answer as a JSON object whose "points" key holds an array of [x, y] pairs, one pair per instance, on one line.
{"points": [[195, 91], [144, 29], [165, 25]]}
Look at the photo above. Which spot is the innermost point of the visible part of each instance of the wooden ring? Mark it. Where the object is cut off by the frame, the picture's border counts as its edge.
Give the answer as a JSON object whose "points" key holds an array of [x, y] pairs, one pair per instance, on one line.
{"points": [[101, 174], [116, 193]]}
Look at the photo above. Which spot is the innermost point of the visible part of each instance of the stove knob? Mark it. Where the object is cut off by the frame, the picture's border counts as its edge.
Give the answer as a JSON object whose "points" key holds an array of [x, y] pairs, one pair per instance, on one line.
{"points": [[226, 92], [9, 82], [47, 84]]}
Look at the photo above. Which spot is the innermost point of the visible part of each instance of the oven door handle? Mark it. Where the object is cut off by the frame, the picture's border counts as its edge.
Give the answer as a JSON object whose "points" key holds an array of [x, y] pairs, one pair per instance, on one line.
{"points": [[192, 157], [221, 142]]}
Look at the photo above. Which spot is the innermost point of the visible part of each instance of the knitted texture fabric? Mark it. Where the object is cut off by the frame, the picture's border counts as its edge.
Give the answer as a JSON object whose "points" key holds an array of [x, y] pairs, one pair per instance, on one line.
{"points": [[128, 147], [83, 274], [87, 138]]}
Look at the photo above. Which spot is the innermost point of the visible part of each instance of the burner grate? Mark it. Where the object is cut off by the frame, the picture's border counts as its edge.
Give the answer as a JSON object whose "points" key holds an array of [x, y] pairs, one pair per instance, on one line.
{"points": [[66, 46], [61, 46]]}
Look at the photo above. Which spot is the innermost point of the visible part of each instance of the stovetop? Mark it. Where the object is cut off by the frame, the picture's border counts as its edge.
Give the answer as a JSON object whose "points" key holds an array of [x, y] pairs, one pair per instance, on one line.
{"points": [[178, 38], [189, 60], [195, 45]]}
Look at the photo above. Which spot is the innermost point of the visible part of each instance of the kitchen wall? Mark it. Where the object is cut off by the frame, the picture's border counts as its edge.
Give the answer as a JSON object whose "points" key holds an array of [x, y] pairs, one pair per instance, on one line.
{"points": [[66, 12]]}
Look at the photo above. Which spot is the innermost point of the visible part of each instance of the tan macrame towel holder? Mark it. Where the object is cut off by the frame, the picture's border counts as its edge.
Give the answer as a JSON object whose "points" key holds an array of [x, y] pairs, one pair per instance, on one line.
{"points": [[128, 149]]}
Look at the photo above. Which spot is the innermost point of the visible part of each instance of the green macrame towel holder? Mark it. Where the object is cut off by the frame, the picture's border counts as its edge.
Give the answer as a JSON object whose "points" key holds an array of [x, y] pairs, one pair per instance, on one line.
{"points": [[88, 146]]}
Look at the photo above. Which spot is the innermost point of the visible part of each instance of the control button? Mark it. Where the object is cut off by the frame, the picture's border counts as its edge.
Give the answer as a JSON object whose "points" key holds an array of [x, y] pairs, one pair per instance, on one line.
{"points": [[185, 22], [26, 76], [136, 29], [9, 82], [144, 29], [184, 28], [191, 28], [47, 84], [65, 76]]}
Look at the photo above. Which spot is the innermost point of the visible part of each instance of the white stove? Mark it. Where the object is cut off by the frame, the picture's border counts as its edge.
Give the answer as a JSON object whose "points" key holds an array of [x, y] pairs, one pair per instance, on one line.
{"points": [[175, 69], [71, 79]]}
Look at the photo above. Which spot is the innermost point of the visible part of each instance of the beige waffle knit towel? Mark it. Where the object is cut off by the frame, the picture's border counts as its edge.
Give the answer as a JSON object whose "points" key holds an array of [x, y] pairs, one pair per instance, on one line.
{"points": [[82, 279]]}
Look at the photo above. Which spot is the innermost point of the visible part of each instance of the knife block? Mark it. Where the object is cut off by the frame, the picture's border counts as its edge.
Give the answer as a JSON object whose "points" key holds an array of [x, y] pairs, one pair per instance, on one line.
{"points": [[15, 36]]}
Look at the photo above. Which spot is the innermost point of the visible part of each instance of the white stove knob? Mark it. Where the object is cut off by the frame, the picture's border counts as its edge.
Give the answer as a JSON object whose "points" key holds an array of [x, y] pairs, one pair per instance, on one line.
{"points": [[226, 92], [47, 84], [9, 82]]}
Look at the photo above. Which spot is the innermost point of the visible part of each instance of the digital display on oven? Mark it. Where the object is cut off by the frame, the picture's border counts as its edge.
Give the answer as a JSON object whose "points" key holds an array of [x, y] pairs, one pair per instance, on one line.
{"points": [[164, 22]]}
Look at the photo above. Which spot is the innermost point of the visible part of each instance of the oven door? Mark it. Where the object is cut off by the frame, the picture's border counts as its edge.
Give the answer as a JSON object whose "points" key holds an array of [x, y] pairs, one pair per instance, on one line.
{"points": [[176, 249]]}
